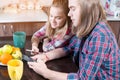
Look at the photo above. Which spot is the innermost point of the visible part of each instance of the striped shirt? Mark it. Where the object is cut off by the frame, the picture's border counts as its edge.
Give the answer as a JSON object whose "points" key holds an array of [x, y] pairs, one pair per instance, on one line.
{"points": [[55, 42], [99, 58]]}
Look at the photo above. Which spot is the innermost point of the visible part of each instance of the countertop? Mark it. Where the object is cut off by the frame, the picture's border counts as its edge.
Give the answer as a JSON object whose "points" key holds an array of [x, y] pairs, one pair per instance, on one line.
{"points": [[32, 16], [64, 64]]}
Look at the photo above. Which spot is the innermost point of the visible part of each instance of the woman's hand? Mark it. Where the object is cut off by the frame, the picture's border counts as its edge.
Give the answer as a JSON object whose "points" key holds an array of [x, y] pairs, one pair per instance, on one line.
{"points": [[41, 56], [39, 67], [35, 49]]}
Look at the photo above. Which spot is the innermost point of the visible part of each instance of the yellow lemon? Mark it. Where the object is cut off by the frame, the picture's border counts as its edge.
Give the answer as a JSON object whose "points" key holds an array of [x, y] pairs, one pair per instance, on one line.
{"points": [[17, 55], [7, 49], [15, 49]]}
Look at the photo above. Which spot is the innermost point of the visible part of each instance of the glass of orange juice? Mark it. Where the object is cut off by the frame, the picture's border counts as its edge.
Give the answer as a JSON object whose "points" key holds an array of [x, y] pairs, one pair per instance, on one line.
{"points": [[15, 69]]}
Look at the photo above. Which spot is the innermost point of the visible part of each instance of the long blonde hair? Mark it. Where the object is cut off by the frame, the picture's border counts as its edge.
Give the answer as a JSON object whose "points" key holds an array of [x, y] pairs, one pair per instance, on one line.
{"points": [[50, 32], [91, 13]]}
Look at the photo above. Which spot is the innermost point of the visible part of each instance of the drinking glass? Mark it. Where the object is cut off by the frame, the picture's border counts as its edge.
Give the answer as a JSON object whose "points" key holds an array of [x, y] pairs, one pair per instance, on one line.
{"points": [[15, 69], [19, 39]]}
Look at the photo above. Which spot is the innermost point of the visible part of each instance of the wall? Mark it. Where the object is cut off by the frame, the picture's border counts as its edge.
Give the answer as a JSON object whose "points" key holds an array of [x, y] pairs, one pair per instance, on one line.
{"points": [[6, 2]]}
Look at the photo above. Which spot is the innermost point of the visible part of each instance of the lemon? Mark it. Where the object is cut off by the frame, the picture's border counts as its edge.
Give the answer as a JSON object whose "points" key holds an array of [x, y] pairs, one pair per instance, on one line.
{"points": [[7, 49], [17, 55]]}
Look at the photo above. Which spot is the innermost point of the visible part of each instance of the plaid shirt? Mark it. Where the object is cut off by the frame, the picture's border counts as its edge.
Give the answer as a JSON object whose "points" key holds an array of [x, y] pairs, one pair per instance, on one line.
{"points": [[99, 58], [56, 41]]}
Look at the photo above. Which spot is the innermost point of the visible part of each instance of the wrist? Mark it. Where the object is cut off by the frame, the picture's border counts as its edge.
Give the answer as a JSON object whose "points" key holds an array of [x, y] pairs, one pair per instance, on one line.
{"points": [[35, 44], [47, 58]]}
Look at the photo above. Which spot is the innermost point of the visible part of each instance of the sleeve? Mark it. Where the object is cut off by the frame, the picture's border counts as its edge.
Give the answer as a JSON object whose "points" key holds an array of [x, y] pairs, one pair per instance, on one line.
{"points": [[57, 42], [40, 33], [94, 54], [62, 42], [72, 76], [70, 47]]}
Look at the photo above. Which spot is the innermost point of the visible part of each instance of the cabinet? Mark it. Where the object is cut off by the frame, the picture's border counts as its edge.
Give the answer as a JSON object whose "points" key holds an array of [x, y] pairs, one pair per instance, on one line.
{"points": [[115, 26], [6, 29]]}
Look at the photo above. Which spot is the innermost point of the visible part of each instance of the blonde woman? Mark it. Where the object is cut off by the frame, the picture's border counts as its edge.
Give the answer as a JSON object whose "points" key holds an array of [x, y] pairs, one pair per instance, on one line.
{"points": [[57, 30], [96, 52]]}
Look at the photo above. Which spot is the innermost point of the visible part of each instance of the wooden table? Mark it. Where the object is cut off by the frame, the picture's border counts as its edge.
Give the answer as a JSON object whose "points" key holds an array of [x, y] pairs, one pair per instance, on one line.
{"points": [[63, 65]]}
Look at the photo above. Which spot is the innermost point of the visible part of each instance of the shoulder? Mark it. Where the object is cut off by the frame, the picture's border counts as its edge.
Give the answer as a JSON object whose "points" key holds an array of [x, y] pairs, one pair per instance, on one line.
{"points": [[102, 32], [43, 28], [102, 29], [40, 32]]}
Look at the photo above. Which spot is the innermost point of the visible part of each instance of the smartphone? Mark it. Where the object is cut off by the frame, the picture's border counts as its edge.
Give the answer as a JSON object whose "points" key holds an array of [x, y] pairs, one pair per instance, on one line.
{"points": [[27, 58]]}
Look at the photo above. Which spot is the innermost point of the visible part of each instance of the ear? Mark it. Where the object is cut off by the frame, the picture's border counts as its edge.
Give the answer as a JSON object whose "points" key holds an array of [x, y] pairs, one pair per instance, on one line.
{"points": [[46, 9]]}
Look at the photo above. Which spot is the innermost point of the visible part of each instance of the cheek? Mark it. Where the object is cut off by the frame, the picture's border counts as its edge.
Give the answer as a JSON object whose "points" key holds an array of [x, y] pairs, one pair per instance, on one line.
{"points": [[62, 22], [77, 16], [78, 20]]}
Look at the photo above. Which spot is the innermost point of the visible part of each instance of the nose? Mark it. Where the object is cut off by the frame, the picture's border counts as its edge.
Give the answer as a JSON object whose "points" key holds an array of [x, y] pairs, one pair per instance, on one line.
{"points": [[69, 13]]}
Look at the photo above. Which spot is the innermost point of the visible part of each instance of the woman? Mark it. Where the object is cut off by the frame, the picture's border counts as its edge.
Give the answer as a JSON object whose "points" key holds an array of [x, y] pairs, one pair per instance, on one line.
{"points": [[56, 32], [96, 52]]}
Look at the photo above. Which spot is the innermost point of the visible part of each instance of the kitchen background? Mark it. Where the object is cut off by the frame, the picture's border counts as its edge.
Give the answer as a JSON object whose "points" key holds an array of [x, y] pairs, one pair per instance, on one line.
{"points": [[6, 2], [111, 6], [17, 6], [27, 16]]}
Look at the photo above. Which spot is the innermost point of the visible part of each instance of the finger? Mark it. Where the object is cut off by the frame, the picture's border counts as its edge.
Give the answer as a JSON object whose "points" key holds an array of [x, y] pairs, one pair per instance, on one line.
{"points": [[41, 61], [35, 49], [34, 53], [35, 57], [30, 64]]}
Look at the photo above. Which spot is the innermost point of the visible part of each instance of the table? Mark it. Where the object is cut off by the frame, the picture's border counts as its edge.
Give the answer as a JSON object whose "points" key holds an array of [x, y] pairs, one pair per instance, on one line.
{"points": [[63, 65]]}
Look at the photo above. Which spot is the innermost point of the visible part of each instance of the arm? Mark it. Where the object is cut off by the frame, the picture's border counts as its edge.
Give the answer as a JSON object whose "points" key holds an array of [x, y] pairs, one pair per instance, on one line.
{"points": [[56, 43], [53, 54], [56, 53], [60, 52], [45, 72], [54, 75], [35, 41], [37, 37]]}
